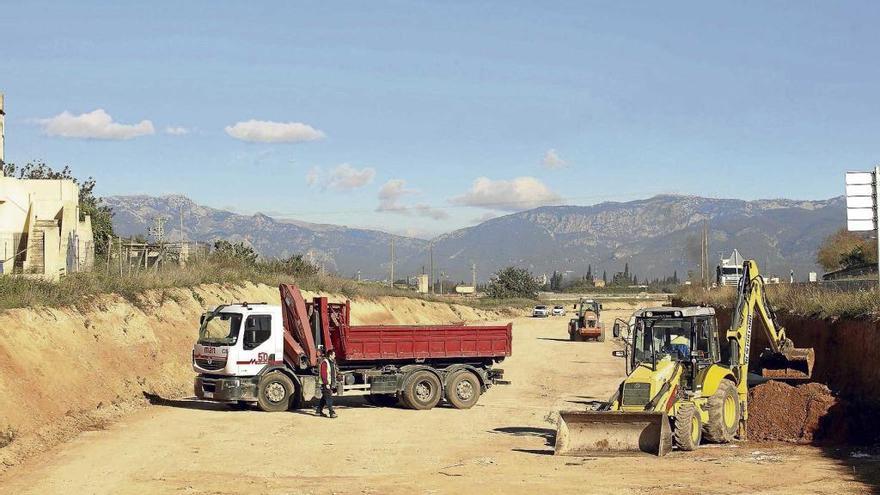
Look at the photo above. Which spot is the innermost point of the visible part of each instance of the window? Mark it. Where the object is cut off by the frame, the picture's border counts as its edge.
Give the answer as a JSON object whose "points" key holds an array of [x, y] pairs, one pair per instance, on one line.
{"points": [[257, 330], [219, 328]]}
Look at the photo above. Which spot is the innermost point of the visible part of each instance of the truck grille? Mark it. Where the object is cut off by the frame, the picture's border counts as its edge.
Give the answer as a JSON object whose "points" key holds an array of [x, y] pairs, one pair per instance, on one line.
{"points": [[636, 394], [211, 364]]}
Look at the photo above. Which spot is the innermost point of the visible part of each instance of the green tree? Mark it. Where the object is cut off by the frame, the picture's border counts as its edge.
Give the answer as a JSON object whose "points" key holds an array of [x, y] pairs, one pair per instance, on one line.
{"points": [[513, 282], [238, 252], [89, 204], [297, 265], [845, 249]]}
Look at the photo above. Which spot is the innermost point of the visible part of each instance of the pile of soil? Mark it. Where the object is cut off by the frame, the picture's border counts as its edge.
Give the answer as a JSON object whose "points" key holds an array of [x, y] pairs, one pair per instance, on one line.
{"points": [[807, 413]]}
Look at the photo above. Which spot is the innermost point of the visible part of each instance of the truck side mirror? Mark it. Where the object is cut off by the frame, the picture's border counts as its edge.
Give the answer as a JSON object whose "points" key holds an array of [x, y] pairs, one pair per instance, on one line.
{"points": [[574, 307], [600, 306], [618, 354], [616, 330]]}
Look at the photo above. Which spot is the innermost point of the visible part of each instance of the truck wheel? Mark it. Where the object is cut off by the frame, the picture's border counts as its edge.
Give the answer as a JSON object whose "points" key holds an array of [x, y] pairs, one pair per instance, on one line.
{"points": [[382, 400], [274, 392], [687, 429], [723, 408], [463, 390], [422, 390]]}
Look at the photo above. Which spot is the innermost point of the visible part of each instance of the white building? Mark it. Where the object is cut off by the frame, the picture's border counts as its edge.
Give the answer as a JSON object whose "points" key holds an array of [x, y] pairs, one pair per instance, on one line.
{"points": [[41, 229]]}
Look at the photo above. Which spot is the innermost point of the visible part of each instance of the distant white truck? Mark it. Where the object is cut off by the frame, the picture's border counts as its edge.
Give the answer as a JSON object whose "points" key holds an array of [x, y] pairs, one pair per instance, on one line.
{"points": [[730, 271]]}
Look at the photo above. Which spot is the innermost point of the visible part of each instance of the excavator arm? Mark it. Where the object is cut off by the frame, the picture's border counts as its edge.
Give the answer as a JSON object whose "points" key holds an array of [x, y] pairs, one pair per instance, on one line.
{"points": [[751, 302], [781, 360]]}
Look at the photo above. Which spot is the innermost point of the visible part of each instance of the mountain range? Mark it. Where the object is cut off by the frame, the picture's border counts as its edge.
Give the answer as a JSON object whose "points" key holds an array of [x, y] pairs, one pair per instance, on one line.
{"points": [[655, 236]]}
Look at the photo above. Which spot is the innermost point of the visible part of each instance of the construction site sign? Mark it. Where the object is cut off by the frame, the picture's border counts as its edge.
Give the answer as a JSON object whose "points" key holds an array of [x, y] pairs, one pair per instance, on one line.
{"points": [[861, 201], [861, 204]]}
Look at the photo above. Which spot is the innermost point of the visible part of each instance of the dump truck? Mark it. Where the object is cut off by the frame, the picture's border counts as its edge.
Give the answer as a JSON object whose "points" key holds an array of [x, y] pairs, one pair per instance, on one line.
{"points": [[687, 383], [587, 325], [268, 355]]}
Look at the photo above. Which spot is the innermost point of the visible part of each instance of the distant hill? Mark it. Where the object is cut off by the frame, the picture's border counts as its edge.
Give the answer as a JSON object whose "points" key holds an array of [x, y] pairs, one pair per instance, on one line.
{"points": [[655, 236], [340, 249]]}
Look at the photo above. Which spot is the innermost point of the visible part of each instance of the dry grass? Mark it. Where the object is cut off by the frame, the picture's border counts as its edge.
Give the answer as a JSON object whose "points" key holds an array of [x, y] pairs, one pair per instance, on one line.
{"points": [[805, 300], [80, 289]]}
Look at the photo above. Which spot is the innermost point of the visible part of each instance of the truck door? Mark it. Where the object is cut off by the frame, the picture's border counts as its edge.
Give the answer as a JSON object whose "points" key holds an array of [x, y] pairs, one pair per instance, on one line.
{"points": [[257, 348]]}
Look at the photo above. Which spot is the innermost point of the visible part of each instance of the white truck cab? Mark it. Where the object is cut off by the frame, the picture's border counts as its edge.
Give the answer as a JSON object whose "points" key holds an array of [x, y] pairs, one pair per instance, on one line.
{"points": [[236, 342]]}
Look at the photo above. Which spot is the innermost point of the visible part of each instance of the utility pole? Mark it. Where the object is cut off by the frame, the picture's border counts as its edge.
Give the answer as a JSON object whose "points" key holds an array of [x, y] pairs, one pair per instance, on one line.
{"points": [[181, 222], [392, 262], [431, 276], [474, 277], [704, 254], [2, 133]]}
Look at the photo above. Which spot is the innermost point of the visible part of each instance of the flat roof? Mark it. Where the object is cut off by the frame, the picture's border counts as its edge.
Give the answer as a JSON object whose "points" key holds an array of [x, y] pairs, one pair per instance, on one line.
{"points": [[686, 311]]}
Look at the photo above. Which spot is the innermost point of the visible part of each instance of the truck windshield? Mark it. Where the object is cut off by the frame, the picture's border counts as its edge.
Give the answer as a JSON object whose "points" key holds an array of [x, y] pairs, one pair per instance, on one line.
{"points": [[658, 338], [732, 270], [220, 328]]}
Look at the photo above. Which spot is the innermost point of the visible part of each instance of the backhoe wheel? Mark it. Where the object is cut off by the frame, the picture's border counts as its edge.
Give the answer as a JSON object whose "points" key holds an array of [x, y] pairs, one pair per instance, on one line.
{"points": [[422, 390], [723, 409], [687, 429], [463, 390], [274, 392]]}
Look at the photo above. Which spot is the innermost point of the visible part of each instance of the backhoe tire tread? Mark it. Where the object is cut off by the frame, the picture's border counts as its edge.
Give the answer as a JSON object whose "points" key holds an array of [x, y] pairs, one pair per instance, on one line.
{"points": [[715, 430], [682, 430]]}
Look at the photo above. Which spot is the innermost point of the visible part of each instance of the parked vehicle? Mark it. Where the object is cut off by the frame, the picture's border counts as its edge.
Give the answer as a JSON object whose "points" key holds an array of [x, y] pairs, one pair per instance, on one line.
{"points": [[268, 355], [558, 311], [541, 311]]}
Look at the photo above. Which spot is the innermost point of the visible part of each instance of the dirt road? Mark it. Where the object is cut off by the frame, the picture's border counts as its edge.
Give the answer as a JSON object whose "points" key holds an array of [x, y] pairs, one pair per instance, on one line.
{"points": [[503, 445]]}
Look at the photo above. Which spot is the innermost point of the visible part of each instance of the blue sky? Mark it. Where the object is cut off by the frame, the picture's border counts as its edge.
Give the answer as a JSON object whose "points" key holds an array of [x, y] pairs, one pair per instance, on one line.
{"points": [[437, 114]]}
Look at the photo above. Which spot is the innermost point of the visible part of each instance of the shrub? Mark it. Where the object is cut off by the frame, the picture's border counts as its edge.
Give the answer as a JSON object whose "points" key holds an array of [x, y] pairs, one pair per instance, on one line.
{"points": [[513, 282]]}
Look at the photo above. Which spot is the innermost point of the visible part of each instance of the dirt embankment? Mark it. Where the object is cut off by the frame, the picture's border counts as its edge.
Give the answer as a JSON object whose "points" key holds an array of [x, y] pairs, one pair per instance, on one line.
{"points": [[65, 370], [844, 400]]}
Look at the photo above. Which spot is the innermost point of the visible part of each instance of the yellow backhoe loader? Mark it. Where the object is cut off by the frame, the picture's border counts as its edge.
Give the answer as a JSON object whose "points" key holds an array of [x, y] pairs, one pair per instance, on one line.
{"points": [[687, 383]]}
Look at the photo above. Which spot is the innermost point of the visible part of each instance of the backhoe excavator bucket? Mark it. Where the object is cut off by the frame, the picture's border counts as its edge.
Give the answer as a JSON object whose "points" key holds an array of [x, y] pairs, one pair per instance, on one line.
{"points": [[789, 364], [612, 433]]}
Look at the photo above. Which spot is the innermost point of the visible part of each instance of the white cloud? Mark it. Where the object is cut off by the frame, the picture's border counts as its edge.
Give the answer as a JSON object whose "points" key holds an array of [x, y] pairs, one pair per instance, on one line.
{"points": [[484, 217], [389, 201], [390, 194], [313, 176], [264, 131], [521, 193], [176, 130], [97, 124], [553, 161], [343, 177]]}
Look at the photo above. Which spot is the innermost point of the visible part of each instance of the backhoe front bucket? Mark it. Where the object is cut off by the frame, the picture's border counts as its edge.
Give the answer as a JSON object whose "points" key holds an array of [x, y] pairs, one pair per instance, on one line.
{"points": [[790, 364], [582, 433]]}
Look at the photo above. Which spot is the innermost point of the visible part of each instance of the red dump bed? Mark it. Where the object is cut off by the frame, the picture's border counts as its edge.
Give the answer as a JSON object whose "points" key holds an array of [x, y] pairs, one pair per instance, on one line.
{"points": [[405, 342], [311, 324]]}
